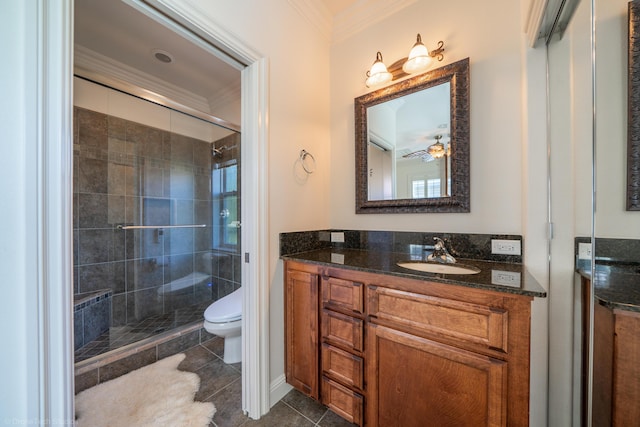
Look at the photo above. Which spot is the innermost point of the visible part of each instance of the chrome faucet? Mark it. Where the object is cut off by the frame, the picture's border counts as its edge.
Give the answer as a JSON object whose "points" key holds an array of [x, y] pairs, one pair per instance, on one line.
{"points": [[440, 253]]}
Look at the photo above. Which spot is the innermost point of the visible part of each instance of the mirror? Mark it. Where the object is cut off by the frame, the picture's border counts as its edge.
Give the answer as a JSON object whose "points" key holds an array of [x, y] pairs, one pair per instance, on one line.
{"points": [[412, 144], [633, 133]]}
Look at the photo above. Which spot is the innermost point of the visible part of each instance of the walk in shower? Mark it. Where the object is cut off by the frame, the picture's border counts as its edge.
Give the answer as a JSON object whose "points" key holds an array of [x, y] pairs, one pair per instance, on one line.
{"points": [[156, 218]]}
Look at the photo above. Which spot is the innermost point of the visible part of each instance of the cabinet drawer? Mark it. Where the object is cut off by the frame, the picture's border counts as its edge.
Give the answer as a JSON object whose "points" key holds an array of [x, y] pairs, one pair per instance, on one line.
{"points": [[342, 366], [344, 294], [343, 331], [472, 323], [344, 402]]}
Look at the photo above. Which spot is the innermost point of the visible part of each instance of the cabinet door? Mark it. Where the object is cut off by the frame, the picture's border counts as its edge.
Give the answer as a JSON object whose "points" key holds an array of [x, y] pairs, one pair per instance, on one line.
{"points": [[626, 370], [414, 381], [301, 323]]}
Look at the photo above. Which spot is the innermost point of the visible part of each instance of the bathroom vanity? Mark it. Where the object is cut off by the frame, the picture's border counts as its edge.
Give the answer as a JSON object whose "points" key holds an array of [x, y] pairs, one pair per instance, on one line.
{"points": [[616, 343], [382, 345]]}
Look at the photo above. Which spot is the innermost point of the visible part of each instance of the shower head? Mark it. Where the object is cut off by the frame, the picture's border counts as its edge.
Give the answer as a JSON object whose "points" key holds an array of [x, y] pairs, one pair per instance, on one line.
{"points": [[216, 152]]}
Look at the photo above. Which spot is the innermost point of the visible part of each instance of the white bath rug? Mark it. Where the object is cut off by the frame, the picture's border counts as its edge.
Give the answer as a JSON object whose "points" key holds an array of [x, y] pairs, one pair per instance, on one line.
{"points": [[156, 395]]}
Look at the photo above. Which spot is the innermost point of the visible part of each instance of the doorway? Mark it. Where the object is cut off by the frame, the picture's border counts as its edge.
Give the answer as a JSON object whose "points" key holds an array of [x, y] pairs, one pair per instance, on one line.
{"points": [[253, 239]]}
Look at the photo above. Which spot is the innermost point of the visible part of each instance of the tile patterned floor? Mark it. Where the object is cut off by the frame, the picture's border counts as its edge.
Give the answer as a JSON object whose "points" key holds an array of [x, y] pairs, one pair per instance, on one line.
{"points": [[119, 336], [221, 384]]}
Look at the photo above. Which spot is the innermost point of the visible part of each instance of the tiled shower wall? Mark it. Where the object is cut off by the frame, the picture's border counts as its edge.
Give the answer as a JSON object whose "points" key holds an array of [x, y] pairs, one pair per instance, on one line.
{"points": [[127, 173]]}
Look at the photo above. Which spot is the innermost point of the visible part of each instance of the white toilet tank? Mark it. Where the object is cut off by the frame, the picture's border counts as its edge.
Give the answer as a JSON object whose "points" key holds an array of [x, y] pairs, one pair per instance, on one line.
{"points": [[226, 309]]}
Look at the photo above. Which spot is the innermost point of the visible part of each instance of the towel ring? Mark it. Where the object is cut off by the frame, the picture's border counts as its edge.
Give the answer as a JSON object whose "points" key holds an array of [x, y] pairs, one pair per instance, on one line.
{"points": [[307, 168]]}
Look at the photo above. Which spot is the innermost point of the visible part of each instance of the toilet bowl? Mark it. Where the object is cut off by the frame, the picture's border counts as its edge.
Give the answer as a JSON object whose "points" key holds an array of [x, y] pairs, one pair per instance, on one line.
{"points": [[224, 319]]}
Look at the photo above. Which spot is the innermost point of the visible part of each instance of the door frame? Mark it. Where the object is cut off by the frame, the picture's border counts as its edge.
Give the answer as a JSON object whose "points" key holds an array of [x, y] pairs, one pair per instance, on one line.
{"points": [[54, 142]]}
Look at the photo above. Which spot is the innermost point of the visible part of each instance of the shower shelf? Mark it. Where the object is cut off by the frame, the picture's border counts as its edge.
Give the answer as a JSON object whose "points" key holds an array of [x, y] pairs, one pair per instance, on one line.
{"points": [[132, 227]]}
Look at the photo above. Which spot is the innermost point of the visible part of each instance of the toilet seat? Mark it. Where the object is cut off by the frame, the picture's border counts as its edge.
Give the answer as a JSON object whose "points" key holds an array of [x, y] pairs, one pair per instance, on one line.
{"points": [[226, 309]]}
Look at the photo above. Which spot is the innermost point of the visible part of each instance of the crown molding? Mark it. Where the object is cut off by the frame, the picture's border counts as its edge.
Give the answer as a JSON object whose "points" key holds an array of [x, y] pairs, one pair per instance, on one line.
{"points": [[363, 14], [316, 13], [228, 95], [350, 21], [90, 64], [534, 20]]}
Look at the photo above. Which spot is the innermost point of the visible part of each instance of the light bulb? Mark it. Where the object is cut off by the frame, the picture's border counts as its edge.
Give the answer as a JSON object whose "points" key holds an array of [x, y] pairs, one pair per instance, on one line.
{"points": [[419, 58], [378, 74]]}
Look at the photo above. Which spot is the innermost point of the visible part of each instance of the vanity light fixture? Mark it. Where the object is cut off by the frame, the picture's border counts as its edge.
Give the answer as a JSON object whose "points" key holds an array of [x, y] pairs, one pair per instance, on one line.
{"points": [[378, 74], [419, 60]]}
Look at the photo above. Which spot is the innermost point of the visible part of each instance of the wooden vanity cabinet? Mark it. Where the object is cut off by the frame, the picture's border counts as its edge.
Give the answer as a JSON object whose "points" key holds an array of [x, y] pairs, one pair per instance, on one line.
{"points": [[616, 364], [452, 357], [401, 352], [302, 329]]}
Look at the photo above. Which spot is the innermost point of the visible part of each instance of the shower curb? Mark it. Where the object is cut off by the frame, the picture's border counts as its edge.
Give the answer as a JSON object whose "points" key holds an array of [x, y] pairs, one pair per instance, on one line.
{"points": [[120, 361]]}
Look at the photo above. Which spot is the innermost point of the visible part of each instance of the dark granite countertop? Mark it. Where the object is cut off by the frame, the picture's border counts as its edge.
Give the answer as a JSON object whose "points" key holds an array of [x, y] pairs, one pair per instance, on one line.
{"points": [[617, 285], [491, 273]]}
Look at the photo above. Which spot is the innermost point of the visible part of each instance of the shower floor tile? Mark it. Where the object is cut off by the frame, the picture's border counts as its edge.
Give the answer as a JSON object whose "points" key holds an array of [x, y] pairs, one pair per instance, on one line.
{"points": [[119, 336]]}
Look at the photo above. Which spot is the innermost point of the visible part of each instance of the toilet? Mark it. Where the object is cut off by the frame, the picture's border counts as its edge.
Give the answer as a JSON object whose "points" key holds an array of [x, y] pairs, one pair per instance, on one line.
{"points": [[224, 319]]}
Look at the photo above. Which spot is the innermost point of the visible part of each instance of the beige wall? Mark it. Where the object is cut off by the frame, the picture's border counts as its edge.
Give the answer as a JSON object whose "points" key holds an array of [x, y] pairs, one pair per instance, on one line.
{"points": [[495, 49], [298, 119]]}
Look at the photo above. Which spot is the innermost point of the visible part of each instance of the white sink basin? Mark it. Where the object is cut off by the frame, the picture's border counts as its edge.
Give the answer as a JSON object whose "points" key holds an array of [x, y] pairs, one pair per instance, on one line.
{"points": [[431, 267]]}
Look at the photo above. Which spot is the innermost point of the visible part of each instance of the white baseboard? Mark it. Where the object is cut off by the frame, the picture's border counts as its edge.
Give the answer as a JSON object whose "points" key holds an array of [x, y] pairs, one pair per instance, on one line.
{"points": [[279, 388]]}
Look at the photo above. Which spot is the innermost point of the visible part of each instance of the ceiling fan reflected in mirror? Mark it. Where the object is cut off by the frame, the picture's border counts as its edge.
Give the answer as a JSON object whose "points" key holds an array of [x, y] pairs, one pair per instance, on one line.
{"points": [[435, 151]]}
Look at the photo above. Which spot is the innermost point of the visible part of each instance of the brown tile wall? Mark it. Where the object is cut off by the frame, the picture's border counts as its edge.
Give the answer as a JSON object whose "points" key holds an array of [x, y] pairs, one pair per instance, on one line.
{"points": [[126, 173]]}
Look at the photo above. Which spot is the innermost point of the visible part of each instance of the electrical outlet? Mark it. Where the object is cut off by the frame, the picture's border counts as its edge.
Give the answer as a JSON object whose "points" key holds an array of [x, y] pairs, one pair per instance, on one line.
{"points": [[584, 250], [505, 278], [505, 247], [337, 258], [324, 236], [337, 237]]}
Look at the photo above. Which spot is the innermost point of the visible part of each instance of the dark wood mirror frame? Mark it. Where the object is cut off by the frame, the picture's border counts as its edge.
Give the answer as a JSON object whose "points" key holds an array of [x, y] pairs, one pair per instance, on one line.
{"points": [[457, 74], [633, 108]]}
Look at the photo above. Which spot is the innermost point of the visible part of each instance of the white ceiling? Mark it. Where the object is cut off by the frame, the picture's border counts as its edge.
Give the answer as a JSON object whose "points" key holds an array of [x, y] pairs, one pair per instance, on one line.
{"points": [[123, 34], [111, 35], [337, 6]]}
